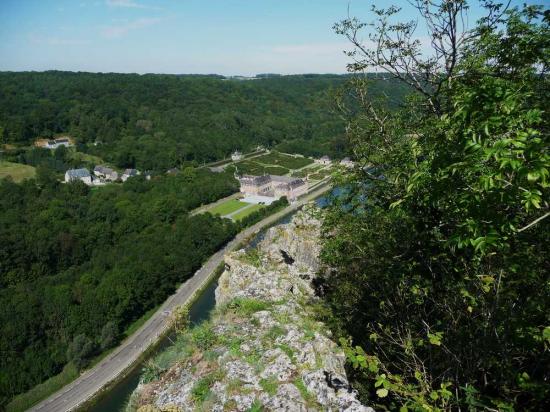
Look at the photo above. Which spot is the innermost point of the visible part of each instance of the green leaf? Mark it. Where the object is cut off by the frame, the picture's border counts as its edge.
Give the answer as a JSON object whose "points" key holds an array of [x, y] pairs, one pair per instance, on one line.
{"points": [[382, 393], [435, 338]]}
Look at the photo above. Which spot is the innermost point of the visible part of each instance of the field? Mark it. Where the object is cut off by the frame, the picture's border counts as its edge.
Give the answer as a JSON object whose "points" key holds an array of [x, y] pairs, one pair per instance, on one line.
{"points": [[286, 161], [18, 172], [227, 207], [246, 212]]}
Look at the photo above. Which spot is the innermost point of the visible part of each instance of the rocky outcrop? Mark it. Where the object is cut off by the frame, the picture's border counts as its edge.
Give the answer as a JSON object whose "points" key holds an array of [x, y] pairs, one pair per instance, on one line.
{"points": [[262, 349]]}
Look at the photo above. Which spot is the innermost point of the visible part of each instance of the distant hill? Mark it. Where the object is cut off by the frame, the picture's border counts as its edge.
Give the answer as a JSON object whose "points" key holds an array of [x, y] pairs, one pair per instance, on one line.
{"points": [[157, 121]]}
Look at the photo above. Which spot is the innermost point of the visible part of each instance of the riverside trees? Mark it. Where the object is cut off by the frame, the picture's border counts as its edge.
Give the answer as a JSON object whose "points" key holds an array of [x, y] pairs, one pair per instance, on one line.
{"points": [[441, 246]]}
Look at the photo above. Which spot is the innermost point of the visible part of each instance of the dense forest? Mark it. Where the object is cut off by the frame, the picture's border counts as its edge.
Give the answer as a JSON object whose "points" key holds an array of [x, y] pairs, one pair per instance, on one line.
{"points": [[155, 122], [78, 265], [439, 250]]}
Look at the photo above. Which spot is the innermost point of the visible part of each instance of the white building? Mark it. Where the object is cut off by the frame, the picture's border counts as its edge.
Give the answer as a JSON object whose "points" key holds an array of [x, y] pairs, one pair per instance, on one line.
{"points": [[83, 175], [325, 160], [55, 143], [236, 155]]}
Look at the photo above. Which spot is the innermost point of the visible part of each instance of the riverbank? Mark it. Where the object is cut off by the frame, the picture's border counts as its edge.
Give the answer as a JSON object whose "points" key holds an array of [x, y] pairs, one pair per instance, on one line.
{"points": [[91, 383]]}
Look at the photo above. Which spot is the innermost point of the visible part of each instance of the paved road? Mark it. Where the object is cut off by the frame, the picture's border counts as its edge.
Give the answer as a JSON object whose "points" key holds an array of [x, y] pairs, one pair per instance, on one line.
{"points": [[85, 387]]}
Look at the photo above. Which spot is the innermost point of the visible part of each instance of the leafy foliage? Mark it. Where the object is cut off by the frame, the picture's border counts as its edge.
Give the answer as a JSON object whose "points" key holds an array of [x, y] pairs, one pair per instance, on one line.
{"points": [[441, 242]]}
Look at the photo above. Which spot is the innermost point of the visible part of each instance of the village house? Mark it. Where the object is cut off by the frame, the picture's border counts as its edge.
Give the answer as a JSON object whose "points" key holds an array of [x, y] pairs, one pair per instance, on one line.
{"points": [[346, 162], [129, 173], [325, 160], [273, 186], [73, 175], [236, 155], [106, 173]]}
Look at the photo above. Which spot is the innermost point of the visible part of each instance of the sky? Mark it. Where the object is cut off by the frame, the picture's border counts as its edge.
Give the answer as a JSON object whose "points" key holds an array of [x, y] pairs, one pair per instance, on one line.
{"points": [[228, 37]]}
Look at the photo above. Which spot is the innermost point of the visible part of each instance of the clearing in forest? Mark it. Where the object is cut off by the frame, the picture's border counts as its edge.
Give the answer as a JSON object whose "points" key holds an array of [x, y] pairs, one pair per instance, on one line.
{"points": [[17, 171]]}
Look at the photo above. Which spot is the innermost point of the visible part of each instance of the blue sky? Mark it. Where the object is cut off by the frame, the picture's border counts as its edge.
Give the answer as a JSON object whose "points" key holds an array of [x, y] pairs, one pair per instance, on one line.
{"points": [[178, 36]]}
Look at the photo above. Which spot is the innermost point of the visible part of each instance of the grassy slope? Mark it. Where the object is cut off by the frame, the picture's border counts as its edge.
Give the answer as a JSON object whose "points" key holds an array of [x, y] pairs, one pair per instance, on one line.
{"points": [[18, 172]]}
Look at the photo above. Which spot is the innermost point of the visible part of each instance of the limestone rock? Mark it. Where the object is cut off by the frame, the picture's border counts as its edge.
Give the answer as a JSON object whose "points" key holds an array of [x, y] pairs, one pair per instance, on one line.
{"points": [[262, 348]]}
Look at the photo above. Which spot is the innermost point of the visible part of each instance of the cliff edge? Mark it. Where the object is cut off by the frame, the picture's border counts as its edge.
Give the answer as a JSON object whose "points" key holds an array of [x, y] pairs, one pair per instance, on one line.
{"points": [[262, 348]]}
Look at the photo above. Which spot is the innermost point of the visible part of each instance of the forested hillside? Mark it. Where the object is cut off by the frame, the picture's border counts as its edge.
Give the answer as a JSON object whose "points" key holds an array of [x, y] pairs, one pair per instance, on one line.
{"points": [[155, 122], [78, 265]]}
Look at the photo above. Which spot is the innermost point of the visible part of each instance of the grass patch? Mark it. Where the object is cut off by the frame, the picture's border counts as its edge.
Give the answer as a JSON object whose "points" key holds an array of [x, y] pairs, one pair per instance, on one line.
{"points": [[241, 215], [269, 385], [256, 406], [17, 171], [252, 257], [288, 350], [201, 390], [308, 397], [246, 306], [227, 207], [203, 336], [25, 400], [274, 332]]}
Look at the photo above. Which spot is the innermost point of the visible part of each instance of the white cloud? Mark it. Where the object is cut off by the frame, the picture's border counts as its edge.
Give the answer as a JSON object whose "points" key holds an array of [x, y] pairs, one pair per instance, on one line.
{"points": [[129, 4], [123, 29]]}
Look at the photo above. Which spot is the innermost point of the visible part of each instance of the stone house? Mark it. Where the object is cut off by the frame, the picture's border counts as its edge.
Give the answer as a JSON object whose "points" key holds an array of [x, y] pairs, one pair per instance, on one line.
{"points": [[106, 173]]}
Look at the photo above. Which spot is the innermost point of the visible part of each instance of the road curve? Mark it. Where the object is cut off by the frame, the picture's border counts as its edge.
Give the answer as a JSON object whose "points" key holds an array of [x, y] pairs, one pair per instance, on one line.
{"points": [[91, 382]]}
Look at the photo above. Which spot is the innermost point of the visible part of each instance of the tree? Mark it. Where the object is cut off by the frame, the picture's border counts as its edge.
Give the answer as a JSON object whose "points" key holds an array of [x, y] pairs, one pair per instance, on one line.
{"points": [[440, 244], [80, 350], [109, 335]]}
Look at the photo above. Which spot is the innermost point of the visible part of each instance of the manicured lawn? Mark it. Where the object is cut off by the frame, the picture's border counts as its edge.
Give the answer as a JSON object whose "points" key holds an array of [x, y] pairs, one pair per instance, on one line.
{"points": [[17, 171], [246, 212], [250, 167], [227, 207], [278, 159]]}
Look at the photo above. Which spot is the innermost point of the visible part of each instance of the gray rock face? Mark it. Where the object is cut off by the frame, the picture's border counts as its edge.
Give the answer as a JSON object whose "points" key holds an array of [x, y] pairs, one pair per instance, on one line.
{"points": [[262, 348]]}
